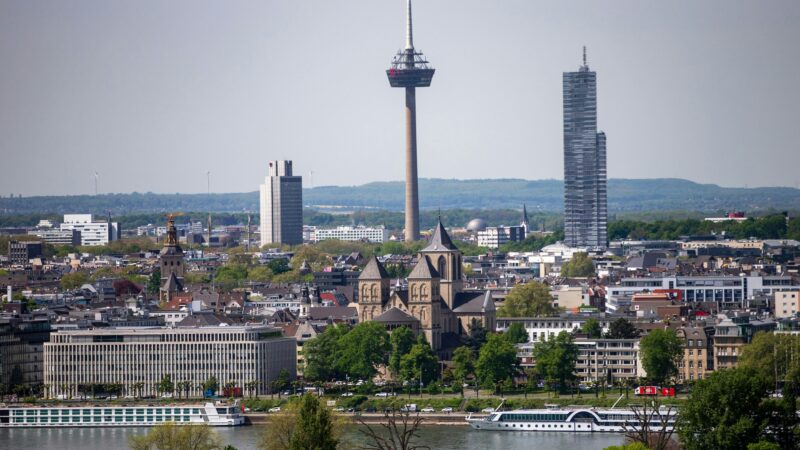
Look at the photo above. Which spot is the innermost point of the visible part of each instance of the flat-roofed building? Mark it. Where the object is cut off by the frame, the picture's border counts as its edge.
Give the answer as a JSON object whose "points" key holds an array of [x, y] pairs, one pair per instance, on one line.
{"points": [[608, 360], [239, 355], [372, 234], [787, 304]]}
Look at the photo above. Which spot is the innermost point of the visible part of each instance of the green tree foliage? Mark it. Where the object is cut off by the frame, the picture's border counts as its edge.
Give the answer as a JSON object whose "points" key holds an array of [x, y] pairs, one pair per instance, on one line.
{"points": [[321, 354], [725, 410], [279, 266], [579, 266], [169, 436], [768, 227], [314, 429], [166, 386], [592, 328], [211, 384], [363, 349], [154, 281], [402, 339], [420, 363], [476, 336], [631, 446], [463, 363], [497, 361], [260, 273], [622, 328], [531, 299], [555, 359], [74, 280], [516, 333], [772, 355], [763, 445], [661, 351]]}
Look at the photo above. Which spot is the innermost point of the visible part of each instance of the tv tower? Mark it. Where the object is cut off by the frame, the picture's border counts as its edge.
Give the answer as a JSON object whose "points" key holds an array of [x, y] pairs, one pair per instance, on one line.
{"points": [[410, 70]]}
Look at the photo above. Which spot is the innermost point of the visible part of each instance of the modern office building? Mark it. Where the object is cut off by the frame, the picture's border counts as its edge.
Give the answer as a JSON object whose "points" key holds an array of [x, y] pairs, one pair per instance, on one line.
{"points": [[21, 252], [585, 192], [92, 232], [494, 237], [360, 233], [281, 205], [58, 237], [129, 356], [21, 351]]}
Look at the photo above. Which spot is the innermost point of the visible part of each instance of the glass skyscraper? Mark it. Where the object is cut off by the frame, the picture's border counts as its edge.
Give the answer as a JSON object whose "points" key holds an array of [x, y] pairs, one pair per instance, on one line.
{"points": [[585, 192]]}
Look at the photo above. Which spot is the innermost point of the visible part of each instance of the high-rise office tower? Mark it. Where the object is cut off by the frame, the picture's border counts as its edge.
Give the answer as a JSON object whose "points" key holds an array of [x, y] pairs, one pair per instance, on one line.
{"points": [[281, 205], [585, 192], [410, 70]]}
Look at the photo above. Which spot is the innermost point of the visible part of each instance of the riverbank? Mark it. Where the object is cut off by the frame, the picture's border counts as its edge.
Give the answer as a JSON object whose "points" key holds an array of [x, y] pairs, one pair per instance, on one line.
{"points": [[428, 419]]}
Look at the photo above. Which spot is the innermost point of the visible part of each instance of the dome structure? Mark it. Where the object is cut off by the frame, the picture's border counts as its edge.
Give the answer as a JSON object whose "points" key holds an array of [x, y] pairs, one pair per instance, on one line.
{"points": [[476, 225]]}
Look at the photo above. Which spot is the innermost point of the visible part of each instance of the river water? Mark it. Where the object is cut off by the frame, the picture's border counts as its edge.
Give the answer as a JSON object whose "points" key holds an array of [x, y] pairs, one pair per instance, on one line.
{"points": [[436, 437]]}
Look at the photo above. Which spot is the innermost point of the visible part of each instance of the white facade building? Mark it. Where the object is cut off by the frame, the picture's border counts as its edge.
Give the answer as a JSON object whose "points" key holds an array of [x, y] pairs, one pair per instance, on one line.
{"points": [[494, 237], [92, 232], [359, 233], [231, 354], [543, 328]]}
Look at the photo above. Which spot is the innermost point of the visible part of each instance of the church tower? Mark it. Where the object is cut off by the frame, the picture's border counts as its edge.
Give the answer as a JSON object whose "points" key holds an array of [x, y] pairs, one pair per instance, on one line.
{"points": [[373, 290], [446, 259], [424, 300], [171, 263]]}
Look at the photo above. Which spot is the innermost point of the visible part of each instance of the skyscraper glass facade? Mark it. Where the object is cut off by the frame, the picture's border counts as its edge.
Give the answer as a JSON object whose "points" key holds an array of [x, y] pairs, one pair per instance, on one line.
{"points": [[585, 191]]}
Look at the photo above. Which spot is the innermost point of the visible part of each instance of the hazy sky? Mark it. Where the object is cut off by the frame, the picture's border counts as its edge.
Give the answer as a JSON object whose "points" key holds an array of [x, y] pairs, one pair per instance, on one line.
{"points": [[153, 94]]}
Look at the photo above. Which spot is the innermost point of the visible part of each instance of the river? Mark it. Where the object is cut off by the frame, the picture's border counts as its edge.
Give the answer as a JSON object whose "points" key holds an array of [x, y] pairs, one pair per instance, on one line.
{"points": [[436, 437]]}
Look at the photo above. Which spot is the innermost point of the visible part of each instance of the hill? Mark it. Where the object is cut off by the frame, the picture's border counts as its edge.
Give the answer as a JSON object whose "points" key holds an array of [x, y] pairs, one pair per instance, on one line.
{"points": [[624, 195]]}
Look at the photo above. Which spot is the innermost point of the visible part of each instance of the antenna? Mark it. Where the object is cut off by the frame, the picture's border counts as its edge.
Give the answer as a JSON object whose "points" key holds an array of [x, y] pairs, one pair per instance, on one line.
{"points": [[584, 55], [96, 175], [409, 32], [208, 182]]}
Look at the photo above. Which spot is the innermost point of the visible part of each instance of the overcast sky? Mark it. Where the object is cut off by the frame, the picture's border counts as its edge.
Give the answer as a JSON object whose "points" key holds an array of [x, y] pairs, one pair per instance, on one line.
{"points": [[154, 94]]}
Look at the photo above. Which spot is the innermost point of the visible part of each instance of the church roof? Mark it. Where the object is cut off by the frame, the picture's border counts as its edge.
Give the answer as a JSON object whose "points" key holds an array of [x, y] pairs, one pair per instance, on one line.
{"points": [[473, 302], [395, 315], [173, 284], [424, 269], [440, 240], [374, 270]]}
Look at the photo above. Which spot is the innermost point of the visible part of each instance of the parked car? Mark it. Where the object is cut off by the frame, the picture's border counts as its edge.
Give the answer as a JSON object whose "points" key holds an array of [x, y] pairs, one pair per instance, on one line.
{"points": [[274, 409], [488, 410], [428, 409], [339, 409], [382, 394], [447, 409], [347, 394]]}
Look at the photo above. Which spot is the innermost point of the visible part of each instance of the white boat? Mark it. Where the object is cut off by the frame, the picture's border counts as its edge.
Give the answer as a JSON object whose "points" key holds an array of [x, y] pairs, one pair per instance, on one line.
{"points": [[213, 414], [574, 420]]}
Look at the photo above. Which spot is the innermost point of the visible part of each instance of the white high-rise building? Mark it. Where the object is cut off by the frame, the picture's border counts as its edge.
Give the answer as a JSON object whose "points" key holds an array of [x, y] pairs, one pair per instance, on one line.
{"points": [[281, 205], [92, 232], [359, 233]]}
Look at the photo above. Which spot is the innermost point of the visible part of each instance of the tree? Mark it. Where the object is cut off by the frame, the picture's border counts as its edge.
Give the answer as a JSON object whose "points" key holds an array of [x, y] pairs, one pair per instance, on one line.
{"points": [[772, 355], [622, 328], [579, 266], [555, 359], [169, 436], [631, 446], [393, 434], [281, 382], [528, 300], [402, 339], [420, 363], [154, 281], [211, 384], [74, 280], [592, 328], [321, 354], [260, 274], [476, 336], [166, 386], [497, 361], [279, 266], [463, 365], [314, 429], [363, 349], [661, 351], [725, 411], [516, 333]]}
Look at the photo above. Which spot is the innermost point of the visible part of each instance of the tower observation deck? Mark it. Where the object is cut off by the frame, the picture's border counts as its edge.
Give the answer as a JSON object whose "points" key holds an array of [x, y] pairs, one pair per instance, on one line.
{"points": [[410, 70]]}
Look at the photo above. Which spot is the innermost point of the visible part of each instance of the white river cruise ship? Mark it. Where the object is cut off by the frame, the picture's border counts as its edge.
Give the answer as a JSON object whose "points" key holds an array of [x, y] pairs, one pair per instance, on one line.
{"points": [[573, 419], [213, 414]]}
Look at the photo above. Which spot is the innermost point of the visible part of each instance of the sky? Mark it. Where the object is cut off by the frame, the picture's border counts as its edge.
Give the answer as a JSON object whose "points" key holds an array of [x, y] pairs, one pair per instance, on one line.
{"points": [[154, 95]]}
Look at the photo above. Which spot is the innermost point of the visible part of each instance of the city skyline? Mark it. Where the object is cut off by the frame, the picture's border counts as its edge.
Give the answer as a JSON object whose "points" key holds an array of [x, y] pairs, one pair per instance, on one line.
{"points": [[112, 89]]}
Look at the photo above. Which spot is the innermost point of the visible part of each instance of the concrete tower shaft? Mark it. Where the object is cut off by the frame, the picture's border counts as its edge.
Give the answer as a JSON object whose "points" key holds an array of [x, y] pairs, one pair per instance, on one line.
{"points": [[410, 70]]}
